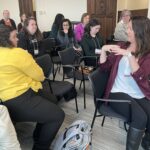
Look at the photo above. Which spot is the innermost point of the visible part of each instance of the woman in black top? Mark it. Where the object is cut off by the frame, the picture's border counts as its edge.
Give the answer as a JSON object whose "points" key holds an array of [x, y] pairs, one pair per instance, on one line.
{"points": [[65, 36], [92, 40], [56, 24], [30, 38]]}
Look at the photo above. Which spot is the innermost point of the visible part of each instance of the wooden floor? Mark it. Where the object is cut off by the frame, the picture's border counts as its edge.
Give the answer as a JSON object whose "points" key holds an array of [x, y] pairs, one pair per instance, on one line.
{"points": [[111, 136]]}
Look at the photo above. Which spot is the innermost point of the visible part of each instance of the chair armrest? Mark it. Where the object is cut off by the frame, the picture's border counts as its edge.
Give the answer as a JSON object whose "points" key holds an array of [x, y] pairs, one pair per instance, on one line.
{"points": [[113, 100], [71, 66], [85, 57]]}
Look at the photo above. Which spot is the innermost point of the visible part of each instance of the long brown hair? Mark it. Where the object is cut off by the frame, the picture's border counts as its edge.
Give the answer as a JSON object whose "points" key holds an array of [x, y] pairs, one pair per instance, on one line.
{"points": [[141, 28], [37, 34]]}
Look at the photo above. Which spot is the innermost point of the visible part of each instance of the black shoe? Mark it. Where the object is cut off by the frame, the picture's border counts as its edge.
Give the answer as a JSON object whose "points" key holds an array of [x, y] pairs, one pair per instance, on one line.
{"points": [[134, 137], [146, 141]]}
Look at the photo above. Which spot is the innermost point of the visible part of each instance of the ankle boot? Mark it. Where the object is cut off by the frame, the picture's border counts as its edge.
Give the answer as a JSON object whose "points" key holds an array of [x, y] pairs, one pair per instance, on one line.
{"points": [[146, 141], [134, 137]]}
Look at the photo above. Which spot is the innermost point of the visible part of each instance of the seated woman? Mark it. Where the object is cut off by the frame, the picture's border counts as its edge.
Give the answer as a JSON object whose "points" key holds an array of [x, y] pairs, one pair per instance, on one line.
{"points": [[65, 36], [92, 40], [20, 79], [30, 38], [56, 24], [129, 80], [21, 24], [120, 33], [79, 29]]}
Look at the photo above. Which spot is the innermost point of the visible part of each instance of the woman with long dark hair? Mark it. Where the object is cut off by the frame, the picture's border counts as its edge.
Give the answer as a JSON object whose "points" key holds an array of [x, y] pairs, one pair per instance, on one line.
{"points": [[30, 38], [20, 78], [56, 25], [129, 79], [92, 39], [65, 36]]}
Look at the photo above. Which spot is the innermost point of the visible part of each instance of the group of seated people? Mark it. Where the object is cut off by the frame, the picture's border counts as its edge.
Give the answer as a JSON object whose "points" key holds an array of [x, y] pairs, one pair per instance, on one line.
{"points": [[21, 77]]}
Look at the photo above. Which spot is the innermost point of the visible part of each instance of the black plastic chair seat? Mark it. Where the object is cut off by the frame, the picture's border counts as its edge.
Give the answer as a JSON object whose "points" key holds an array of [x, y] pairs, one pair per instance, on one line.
{"points": [[106, 110], [61, 87], [56, 60], [78, 75]]}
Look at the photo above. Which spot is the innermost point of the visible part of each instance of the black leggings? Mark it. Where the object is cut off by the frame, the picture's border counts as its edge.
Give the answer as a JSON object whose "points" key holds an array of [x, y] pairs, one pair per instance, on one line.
{"points": [[138, 112], [30, 107]]}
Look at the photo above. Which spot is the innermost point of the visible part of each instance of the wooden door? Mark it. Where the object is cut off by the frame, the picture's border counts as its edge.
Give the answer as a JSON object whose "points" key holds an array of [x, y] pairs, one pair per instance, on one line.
{"points": [[26, 6], [105, 11]]}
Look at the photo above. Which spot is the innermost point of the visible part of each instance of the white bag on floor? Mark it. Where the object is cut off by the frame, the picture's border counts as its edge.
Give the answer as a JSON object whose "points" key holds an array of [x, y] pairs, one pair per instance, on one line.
{"points": [[76, 137], [8, 137]]}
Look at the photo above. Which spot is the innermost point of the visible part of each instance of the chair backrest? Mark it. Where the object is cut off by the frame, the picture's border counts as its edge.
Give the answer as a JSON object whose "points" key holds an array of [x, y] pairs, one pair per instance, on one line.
{"points": [[98, 80], [46, 34], [89, 61], [67, 56], [48, 44], [45, 63]]}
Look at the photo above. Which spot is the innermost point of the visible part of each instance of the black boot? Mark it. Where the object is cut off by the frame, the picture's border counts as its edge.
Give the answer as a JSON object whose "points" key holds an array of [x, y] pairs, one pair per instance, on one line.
{"points": [[134, 137], [146, 141]]}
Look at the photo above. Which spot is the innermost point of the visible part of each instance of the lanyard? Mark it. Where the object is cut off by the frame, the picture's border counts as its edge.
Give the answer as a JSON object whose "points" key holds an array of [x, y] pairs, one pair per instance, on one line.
{"points": [[96, 42]]}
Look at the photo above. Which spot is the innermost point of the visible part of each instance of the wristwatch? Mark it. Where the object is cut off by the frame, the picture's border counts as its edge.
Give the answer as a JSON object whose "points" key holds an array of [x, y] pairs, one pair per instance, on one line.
{"points": [[129, 55]]}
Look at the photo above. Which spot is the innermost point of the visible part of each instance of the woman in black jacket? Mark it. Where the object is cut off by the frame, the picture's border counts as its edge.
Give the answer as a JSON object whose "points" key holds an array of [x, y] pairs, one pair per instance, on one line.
{"points": [[30, 38]]}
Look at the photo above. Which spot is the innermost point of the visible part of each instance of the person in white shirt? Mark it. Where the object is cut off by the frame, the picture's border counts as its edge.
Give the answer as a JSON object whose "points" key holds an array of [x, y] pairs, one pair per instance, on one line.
{"points": [[120, 33]]}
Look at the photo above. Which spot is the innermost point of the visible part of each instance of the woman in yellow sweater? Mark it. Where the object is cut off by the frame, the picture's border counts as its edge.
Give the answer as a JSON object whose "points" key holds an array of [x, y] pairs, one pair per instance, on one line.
{"points": [[20, 81]]}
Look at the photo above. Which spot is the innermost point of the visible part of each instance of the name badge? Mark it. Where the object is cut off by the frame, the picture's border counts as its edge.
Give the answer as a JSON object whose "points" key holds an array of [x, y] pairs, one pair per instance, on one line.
{"points": [[36, 52]]}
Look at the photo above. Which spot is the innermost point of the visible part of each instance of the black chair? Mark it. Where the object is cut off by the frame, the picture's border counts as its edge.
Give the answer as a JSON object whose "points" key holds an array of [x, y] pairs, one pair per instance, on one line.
{"points": [[46, 34], [59, 88], [50, 47], [89, 60], [98, 80], [72, 68]]}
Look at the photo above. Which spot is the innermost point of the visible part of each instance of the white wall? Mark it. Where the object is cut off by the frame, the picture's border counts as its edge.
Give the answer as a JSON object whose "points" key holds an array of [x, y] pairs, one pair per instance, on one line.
{"points": [[47, 9], [149, 10], [13, 7]]}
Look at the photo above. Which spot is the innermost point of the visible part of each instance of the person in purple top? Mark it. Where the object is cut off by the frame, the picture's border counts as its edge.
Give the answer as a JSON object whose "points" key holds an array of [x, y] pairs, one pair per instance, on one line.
{"points": [[79, 29]]}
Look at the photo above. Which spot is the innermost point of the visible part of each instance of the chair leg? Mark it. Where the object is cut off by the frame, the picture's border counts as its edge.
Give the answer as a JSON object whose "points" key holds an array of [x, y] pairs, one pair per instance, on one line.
{"points": [[84, 94], [80, 85], [55, 72], [94, 117], [103, 121], [76, 105], [125, 126], [63, 76], [59, 68]]}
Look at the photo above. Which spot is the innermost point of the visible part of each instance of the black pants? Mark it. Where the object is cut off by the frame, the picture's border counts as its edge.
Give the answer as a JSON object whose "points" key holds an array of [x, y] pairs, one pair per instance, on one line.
{"points": [[31, 107], [138, 112]]}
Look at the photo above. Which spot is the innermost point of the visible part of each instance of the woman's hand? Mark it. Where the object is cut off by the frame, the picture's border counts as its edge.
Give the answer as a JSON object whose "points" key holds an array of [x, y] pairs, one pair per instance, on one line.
{"points": [[119, 51], [109, 48], [65, 31]]}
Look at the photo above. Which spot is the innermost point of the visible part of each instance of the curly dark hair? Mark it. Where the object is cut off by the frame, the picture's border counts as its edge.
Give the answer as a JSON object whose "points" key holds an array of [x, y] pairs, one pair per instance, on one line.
{"points": [[5, 35], [70, 31], [141, 28]]}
